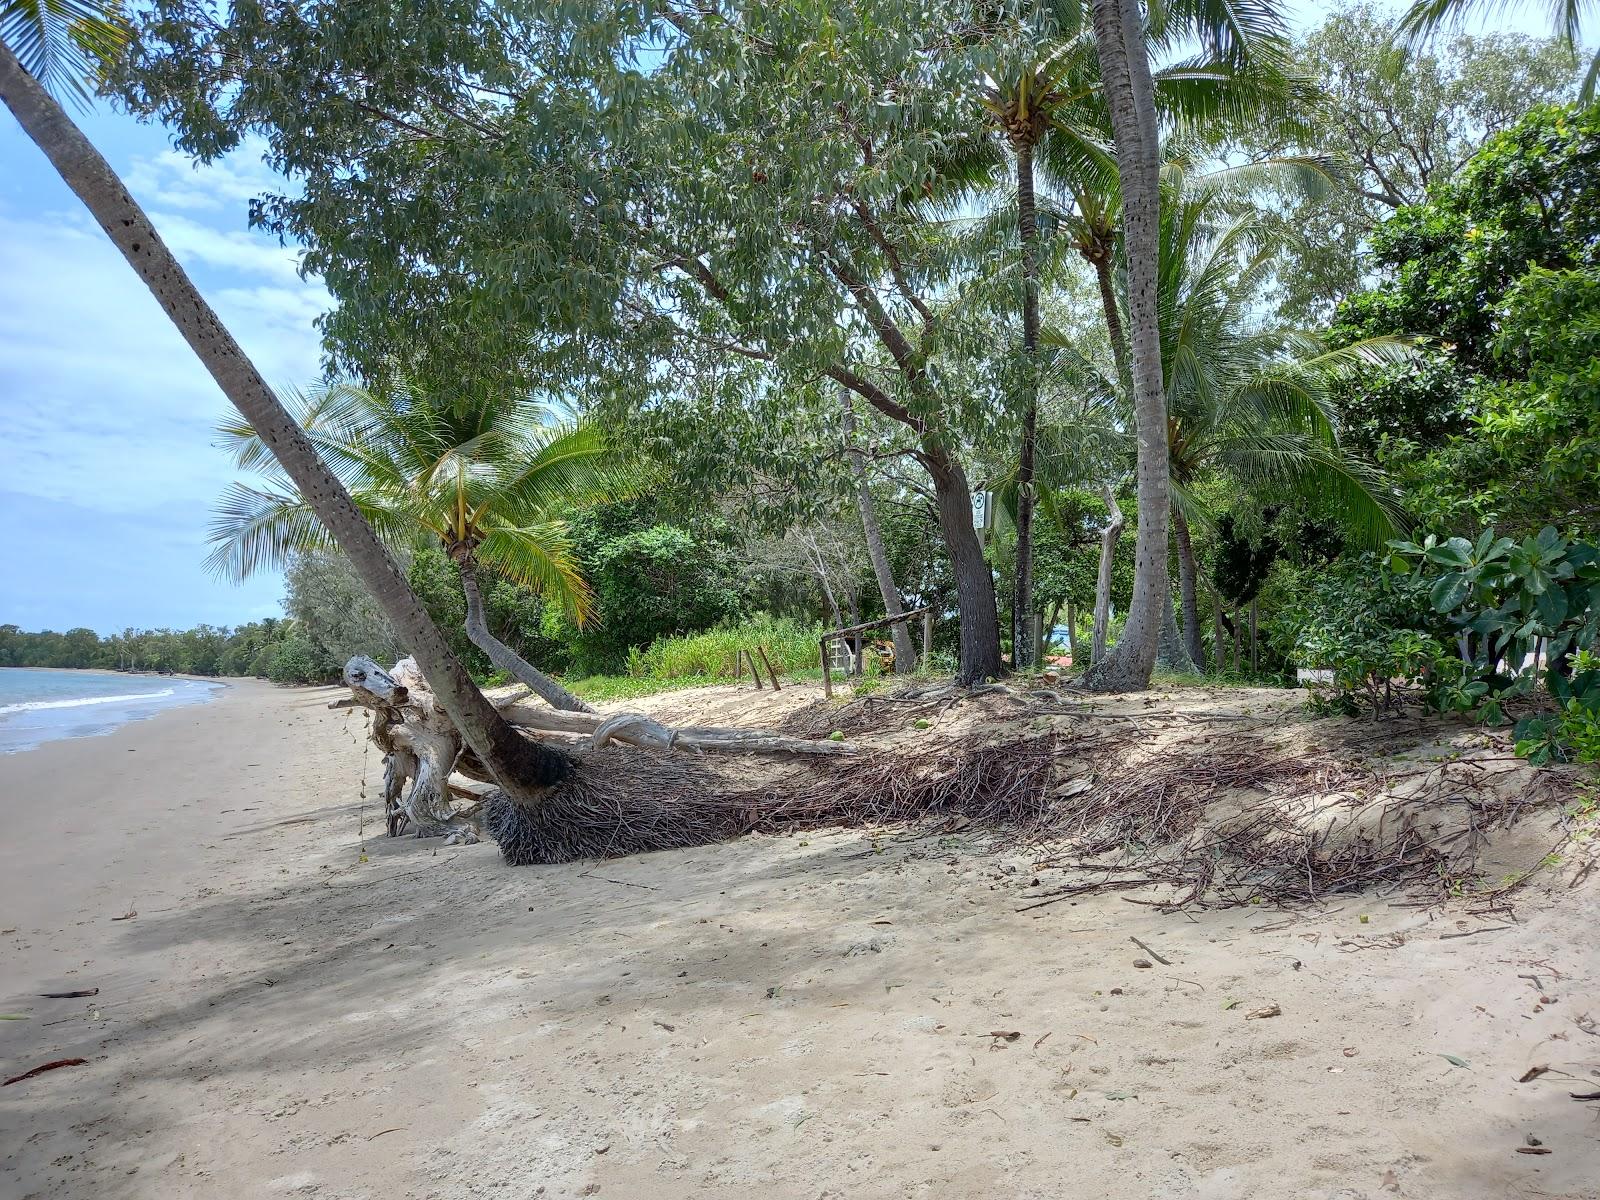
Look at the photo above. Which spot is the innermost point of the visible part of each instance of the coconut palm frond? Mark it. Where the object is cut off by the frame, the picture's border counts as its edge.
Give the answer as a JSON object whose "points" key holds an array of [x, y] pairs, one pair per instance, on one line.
{"points": [[253, 529], [64, 44], [541, 557]]}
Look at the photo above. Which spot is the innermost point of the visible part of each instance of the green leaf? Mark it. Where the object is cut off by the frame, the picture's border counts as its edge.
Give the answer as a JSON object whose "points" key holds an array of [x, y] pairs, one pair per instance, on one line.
{"points": [[1457, 552], [1454, 1061], [1450, 590]]}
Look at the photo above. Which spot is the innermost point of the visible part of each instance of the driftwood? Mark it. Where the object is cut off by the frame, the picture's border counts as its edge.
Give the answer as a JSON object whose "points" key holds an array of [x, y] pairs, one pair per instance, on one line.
{"points": [[426, 760]]}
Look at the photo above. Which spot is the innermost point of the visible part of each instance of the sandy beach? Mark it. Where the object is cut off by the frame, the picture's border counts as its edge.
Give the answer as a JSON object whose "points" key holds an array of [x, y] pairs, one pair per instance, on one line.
{"points": [[298, 1010]]}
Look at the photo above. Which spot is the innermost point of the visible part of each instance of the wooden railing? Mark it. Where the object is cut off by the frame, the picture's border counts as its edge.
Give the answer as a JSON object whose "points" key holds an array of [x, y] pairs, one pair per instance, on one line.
{"points": [[838, 635]]}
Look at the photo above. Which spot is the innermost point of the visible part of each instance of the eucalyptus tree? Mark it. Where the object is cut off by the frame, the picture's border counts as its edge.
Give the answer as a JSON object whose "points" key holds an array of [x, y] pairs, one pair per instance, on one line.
{"points": [[705, 220], [1399, 121], [486, 479], [1566, 16], [523, 768]]}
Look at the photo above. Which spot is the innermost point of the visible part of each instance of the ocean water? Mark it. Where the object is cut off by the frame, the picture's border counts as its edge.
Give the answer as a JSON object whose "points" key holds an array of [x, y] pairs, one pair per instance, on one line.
{"points": [[44, 706]]}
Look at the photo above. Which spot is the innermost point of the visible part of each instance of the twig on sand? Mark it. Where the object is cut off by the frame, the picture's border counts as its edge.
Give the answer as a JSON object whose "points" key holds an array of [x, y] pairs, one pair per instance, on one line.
{"points": [[1143, 946], [1470, 932], [54, 1065]]}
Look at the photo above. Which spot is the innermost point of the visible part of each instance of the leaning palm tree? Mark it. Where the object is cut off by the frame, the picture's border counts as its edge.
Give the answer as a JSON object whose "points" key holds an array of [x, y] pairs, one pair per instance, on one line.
{"points": [[524, 769], [1123, 39], [1568, 16], [483, 479]]}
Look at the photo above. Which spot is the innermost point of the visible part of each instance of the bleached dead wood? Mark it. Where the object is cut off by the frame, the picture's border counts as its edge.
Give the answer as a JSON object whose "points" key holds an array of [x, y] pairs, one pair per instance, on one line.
{"points": [[422, 749]]}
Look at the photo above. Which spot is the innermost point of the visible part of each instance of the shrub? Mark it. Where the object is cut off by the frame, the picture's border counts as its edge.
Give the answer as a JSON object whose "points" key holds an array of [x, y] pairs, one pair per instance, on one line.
{"points": [[790, 645]]}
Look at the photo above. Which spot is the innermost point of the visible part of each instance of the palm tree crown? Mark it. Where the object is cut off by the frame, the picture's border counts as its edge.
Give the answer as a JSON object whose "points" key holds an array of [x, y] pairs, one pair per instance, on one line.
{"points": [[484, 479]]}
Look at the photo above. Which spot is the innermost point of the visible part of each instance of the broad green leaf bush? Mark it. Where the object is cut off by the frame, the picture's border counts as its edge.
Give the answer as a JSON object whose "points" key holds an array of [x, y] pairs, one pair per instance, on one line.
{"points": [[1474, 625], [1374, 629]]}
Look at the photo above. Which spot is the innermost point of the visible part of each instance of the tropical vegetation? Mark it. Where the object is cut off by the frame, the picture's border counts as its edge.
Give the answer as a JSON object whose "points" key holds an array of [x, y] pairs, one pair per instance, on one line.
{"points": [[1214, 326]]}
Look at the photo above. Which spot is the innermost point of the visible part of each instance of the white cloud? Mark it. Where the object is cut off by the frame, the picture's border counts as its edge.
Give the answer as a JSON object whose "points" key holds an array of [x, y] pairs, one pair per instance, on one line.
{"points": [[172, 180]]}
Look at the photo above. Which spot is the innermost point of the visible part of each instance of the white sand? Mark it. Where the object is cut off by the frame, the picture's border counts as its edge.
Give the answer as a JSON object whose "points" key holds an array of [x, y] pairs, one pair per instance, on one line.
{"points": [[779, 1017]]}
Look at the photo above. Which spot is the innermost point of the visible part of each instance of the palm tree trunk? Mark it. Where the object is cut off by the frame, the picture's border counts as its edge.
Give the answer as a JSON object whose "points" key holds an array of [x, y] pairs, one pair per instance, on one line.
{"points": [[1027, 225], [905, 656], [1102, 583], [1187, 576], [502, 655], [1108, 304], [1072, 633], [1130, 96], [520, 766], [1172, 654]]}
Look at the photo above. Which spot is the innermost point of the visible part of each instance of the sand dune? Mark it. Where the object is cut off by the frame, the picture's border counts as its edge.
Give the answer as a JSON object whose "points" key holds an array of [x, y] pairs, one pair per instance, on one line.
{"points": [[296, 1011]]}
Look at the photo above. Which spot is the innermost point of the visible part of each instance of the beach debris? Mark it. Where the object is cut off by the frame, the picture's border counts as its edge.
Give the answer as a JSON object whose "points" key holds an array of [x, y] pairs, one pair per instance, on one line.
{"points": [[15, 1017], [1005, 1035], [1122, 1095], [1163, 961], [1455, 1061], [1042, 1040], [1227, 1004], [1114, 1139], [667, 1027], [1531, 1074], [1350, 1052], [53, 1065], [1584, 1095], [1390, 1181], [1261, 1014], [1144, 964], [72, 995], [127, 916], [1533, 1149], [372, 1137]]}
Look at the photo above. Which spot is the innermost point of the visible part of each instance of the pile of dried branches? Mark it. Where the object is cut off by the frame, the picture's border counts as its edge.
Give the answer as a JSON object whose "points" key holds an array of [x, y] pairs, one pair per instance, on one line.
{"points": [[1207, 819], [624, 801], [1324, 827]]}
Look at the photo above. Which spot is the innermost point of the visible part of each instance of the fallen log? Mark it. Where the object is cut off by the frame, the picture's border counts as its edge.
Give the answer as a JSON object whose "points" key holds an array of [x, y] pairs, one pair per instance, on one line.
{"points": [[423, 750]]}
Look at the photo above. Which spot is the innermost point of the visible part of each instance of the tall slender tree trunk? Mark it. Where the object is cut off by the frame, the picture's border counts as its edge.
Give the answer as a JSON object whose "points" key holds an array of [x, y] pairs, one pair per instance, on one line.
{"points": [[1255, 645], [1102, 583], [1101, 261], [1187, 583], [520, 766], [1027, 225], [980, 622], [1130, 96], [1219, 645], [502, 655], [1072, 633], [905, 656]]}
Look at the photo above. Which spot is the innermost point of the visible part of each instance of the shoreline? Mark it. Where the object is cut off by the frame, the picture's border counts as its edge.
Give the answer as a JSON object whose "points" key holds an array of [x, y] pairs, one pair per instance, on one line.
{"points": [[27, 724], [223, 680]]}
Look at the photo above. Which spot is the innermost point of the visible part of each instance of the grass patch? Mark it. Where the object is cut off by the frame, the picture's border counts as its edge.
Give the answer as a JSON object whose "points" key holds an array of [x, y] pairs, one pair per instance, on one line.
{"points": [[708, 656]]}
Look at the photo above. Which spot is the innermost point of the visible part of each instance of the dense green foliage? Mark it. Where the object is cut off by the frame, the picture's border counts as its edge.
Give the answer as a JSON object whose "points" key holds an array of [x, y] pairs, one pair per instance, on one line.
{"points": [[1498, 269]]}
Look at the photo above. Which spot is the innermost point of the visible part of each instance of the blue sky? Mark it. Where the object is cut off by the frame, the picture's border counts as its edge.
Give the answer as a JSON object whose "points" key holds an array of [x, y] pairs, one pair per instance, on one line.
{"points": [[107, 467]]}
